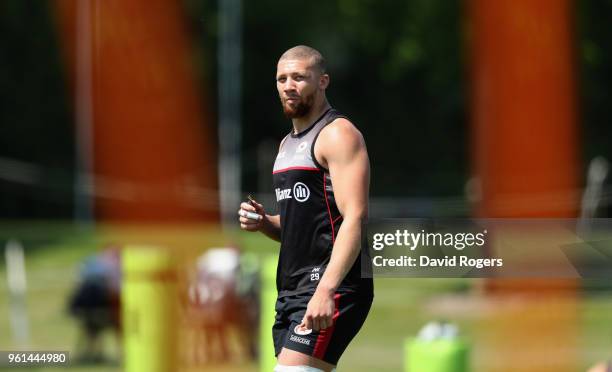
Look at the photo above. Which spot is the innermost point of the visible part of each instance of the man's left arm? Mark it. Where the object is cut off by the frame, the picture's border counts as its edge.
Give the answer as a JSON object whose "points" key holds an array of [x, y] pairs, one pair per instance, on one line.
{"points": [[342, 148]]}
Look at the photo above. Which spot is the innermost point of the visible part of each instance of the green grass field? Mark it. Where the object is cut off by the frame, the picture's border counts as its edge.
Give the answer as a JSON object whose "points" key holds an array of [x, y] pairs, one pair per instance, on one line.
{"points": [[401, 307]]}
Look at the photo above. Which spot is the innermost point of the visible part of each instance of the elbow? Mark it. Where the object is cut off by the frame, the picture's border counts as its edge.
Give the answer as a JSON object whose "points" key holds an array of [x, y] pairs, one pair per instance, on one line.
{"points": [[359, 216]]}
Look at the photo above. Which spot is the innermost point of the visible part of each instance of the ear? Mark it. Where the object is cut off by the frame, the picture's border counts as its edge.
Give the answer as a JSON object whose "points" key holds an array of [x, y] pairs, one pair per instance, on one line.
{"points": [[323, 81]]}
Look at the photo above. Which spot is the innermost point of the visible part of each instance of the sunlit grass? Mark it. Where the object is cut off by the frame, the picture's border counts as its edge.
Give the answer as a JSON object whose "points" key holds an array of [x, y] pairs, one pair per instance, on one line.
{"points": [[54, 253]]}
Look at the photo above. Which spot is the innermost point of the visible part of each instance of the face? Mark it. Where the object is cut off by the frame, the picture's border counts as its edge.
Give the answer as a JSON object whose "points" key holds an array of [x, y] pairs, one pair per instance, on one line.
{"points": [[298, 86]]}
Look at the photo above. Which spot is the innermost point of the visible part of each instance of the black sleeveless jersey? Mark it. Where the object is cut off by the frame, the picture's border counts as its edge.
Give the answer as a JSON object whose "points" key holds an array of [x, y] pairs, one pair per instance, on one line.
{"points": [[309, 217]]}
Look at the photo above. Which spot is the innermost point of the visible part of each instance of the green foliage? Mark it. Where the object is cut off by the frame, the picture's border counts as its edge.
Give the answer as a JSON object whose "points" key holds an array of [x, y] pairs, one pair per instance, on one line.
{"points": [[35, 122], [594, 58], [397, 69]]}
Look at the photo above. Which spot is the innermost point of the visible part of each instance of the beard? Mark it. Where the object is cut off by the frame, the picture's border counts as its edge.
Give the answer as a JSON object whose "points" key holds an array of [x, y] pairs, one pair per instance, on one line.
{"points": [[298, 109]]}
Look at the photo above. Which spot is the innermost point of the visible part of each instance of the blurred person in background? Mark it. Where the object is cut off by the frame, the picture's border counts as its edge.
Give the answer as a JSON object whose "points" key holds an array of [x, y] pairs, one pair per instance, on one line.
{"points": [[321, 178], [223, 298], [95, 303]]}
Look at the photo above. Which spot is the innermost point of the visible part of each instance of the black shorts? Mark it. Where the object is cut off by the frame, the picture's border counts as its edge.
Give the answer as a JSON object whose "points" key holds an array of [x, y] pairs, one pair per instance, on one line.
{"points": [[351, 310]]}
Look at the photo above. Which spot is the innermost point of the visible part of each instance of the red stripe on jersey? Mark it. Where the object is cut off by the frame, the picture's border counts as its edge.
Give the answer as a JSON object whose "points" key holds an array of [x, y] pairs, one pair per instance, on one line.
{"points": [[328, 210], [296, 168], [325, 335]]}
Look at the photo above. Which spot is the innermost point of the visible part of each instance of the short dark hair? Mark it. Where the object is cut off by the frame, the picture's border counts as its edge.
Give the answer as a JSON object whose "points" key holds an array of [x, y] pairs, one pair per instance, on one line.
{"points": [[306, 52]]}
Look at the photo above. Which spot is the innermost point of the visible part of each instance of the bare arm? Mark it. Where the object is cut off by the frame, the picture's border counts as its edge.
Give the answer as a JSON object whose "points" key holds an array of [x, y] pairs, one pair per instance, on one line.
{"points": [[269, 225], [272, 227], [343, 151]]}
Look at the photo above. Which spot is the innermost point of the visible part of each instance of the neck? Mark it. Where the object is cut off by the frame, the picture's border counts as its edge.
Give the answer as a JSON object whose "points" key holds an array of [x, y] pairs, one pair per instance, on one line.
{"points": [[299, 124]]}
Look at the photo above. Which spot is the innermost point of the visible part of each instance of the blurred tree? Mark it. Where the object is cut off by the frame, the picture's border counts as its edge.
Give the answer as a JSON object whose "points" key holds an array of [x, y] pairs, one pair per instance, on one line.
{"points": [[397, 70], [36, 127], [594, 53]]}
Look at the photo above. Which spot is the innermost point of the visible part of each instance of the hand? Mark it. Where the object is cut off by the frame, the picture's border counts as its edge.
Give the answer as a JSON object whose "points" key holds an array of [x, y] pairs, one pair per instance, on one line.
{"points": [[250, 224], [320, 312]]}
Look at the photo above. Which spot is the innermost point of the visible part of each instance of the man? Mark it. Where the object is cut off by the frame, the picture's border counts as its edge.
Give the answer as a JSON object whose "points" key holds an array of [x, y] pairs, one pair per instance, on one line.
{"points": [[95, 302], [321, 180]]}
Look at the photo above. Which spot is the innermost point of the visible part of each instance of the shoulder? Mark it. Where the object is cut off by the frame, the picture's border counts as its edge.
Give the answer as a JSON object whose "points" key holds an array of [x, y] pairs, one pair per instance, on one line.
{"points": [[339, 142], [340, 133], [282, 142]]}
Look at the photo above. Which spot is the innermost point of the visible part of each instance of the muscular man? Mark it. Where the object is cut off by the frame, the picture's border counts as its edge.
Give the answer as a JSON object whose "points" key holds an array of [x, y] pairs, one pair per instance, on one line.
{"points": [[321, 181]]}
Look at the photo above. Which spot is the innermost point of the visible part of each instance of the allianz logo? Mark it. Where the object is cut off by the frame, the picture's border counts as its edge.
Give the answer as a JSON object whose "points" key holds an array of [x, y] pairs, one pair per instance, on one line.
{"points": [[299, 192]]}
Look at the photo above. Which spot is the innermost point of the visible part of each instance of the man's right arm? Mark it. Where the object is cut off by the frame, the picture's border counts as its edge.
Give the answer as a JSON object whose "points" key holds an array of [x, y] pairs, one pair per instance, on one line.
{"points": [[268, 225]]}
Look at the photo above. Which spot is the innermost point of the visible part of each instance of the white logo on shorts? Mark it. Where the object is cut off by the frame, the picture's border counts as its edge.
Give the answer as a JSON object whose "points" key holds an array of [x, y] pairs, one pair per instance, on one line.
{"points": [[301, 192], [301, 340], [301, 332]]}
